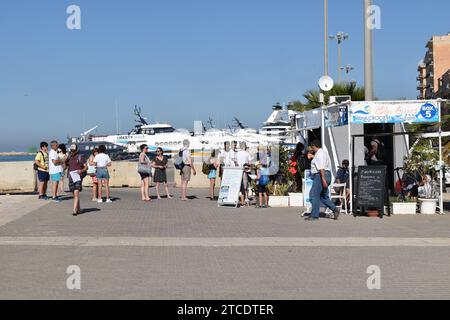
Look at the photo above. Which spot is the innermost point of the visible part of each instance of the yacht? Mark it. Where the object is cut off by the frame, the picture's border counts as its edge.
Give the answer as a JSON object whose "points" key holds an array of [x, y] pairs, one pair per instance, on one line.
{"points": [[279, 124]]}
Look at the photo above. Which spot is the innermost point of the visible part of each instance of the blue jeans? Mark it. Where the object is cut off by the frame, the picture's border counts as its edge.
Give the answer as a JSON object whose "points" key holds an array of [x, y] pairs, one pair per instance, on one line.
{"points": [[319, 195]]}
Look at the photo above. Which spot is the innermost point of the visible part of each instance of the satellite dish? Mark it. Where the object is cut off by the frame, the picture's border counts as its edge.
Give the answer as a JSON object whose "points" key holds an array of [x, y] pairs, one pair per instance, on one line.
{"points": [[326, 83]]}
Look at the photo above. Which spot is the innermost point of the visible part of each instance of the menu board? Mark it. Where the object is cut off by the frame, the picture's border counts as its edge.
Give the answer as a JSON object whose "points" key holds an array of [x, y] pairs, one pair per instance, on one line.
{"points": [[371, 191], [231, 186]]}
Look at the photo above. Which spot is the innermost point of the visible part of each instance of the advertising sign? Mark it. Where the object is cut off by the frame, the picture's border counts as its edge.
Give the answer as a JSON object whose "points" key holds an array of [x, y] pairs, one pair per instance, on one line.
{"points": [[336, 116], [395, 112], [231, 186], [308, 183]]}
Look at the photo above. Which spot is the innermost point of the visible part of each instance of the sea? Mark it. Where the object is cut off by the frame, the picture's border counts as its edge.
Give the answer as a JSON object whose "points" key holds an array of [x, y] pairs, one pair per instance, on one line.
{"points": [[16, 158]]}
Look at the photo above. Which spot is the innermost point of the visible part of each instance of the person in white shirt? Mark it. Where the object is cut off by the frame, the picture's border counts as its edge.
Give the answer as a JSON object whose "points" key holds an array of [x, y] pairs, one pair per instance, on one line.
{"points": [[244, 160], [55, 169], [321, 172], [102, 162]]}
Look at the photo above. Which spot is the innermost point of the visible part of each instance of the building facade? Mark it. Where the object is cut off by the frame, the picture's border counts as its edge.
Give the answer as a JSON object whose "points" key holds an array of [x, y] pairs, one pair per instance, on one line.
{"points": [[435, 66]]}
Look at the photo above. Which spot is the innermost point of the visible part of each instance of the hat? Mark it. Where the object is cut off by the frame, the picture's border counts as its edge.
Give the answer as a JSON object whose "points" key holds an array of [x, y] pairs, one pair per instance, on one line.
{"points": [[257, 163]]}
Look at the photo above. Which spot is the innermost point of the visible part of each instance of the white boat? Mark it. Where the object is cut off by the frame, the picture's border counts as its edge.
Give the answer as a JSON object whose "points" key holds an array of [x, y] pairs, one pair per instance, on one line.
{"points": [[171, 140], [279, 125]]}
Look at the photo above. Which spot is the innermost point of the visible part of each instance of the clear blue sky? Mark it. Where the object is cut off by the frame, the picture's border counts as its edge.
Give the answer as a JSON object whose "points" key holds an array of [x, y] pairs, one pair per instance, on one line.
{"points": [[184, 60]]}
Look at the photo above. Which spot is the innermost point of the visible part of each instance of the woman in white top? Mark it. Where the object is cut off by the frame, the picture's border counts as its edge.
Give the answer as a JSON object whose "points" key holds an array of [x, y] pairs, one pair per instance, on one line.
{"points": [[102, 161]]}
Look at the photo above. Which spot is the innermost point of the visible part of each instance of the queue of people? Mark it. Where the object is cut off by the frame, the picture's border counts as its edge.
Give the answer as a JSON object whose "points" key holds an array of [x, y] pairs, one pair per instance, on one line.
{"points": [[54, 164]]}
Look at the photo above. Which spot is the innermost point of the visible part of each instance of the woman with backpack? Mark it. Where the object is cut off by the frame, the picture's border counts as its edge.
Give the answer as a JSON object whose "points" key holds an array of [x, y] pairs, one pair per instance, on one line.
{"points": [[262, 180], [213, 168], [76, 168]]}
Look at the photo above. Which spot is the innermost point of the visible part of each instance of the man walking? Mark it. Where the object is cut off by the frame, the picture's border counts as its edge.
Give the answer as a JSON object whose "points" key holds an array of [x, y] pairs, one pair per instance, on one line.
{"points": [[55, 170], [321, 172], [41, 166]]}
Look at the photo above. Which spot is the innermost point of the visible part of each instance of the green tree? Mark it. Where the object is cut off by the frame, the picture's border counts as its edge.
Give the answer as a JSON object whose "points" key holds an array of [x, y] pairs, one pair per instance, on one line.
{"points": [[312, 96]]}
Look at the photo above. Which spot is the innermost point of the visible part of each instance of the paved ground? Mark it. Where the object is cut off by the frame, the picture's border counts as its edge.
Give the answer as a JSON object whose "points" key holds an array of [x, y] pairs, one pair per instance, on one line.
{"points": [[170, 249]]}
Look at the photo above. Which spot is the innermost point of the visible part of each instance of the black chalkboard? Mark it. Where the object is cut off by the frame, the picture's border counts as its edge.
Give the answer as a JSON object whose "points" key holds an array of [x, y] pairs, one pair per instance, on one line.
{"points": [[371, 189]]}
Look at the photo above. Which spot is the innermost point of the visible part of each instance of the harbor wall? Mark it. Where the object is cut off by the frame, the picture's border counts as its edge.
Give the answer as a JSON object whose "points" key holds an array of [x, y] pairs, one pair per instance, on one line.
{"points": [[19, 177]]}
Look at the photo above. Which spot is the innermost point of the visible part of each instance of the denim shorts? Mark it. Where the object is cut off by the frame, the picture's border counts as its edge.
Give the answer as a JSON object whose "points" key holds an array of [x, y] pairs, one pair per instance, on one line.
{"points": [[56, 177], [43, 176], [102, 174]]}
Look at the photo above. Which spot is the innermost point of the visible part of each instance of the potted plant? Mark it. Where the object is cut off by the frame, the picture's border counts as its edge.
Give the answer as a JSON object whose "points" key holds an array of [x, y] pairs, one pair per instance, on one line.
{"points": [[423, 162], [278, 195], [407, 206]]}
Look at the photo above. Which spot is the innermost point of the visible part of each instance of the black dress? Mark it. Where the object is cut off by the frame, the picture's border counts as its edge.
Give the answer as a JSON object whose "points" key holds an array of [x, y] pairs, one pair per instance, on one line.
{"points": [[160, 174]]}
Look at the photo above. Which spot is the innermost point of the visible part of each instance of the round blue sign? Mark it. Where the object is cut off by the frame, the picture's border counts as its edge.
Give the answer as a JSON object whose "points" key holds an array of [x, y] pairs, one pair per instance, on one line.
{"points": [[428, 111]]}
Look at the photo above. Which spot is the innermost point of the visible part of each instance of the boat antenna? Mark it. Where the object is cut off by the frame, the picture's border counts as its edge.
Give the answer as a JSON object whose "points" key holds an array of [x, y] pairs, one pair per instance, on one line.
{"points": [[239, 123], [138, 113], [211, 123]]}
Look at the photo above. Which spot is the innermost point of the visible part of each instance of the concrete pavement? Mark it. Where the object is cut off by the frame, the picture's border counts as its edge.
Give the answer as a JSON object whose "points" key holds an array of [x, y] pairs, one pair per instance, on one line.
{"points": [[170, 249]]}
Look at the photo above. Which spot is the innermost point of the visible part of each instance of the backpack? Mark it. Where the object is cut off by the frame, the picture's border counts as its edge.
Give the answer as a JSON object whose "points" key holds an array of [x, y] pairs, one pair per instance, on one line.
{"points": [[380, 151], [264, 180], [206, 168], [35, 166], [178, 160]]}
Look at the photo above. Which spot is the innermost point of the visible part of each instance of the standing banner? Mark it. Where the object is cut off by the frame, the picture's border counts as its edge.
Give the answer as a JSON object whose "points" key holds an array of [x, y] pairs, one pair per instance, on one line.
{"points": [[231, 186], [395, 112], [307, 190]]}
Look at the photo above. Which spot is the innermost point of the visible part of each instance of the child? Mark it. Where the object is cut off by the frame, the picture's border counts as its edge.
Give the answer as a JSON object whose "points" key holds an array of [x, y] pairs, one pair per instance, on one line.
{"points": [[262, 180]]}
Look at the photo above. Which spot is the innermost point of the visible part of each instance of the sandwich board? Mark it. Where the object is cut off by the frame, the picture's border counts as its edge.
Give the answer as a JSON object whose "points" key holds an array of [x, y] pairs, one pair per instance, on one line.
{"points": [[230, 187]]}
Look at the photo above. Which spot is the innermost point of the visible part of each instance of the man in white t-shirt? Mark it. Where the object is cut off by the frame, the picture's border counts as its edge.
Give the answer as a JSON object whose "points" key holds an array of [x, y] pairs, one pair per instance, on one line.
{"points": [[243, 160], [321, 173], [55, 169]]}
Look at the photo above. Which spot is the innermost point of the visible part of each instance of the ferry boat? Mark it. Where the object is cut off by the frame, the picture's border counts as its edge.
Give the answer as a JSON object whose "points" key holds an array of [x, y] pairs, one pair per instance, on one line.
{"points": [[279, 125]]}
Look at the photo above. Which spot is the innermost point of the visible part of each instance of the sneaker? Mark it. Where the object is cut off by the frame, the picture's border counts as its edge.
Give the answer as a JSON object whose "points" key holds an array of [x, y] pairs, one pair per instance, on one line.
{"points": [[336, 213], [94, 200], [108, 201], [311, 219], [43, 198], [57, 200], [100, 201]]}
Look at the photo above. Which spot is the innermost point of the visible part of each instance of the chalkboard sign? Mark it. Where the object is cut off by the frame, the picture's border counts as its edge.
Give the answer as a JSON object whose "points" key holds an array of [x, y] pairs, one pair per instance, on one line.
{"points": [[371, 189]]}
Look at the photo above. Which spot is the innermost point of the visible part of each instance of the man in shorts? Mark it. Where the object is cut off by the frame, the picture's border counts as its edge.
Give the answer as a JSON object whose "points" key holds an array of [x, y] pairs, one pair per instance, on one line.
{"points": [[187, 170], [42, 167], [55, 169]]}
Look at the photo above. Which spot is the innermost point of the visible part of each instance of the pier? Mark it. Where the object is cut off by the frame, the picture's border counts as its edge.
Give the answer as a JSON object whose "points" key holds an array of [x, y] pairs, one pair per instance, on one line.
{"points": [[169, 249]]}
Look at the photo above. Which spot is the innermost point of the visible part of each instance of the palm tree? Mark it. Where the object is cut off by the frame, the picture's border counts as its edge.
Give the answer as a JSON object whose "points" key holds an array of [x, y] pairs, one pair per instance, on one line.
{"points": [[340, 89]]}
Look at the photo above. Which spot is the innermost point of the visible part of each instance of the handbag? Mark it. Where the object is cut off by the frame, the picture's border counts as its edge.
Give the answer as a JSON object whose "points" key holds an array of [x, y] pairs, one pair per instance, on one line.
{"points": [[145, 168]]}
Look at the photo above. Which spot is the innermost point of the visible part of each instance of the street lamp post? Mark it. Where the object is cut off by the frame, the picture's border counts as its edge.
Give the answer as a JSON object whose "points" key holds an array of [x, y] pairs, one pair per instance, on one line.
{"points": [[340, 37], [326, 36], [368, 56], [348, 68]]}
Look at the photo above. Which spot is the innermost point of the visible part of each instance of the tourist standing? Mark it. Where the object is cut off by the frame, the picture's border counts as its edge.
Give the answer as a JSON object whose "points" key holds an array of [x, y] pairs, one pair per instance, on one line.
{"points": [[244, 160], [102, 161], [62, 154], [41, 165], [92, 172], [55, 169], [321, 173], [302, 163], [214, 168], [76, 168], [160, 163], [262, 180], [145, 171], [188, 169]]}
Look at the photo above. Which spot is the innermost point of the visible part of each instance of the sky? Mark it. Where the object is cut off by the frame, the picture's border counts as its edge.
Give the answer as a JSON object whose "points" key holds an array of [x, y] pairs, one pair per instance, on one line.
{"points": [[186, 60]]}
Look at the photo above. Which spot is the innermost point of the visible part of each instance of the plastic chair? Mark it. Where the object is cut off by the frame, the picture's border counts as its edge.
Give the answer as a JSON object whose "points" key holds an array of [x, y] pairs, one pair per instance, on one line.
{"points": [[339, 192]]}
